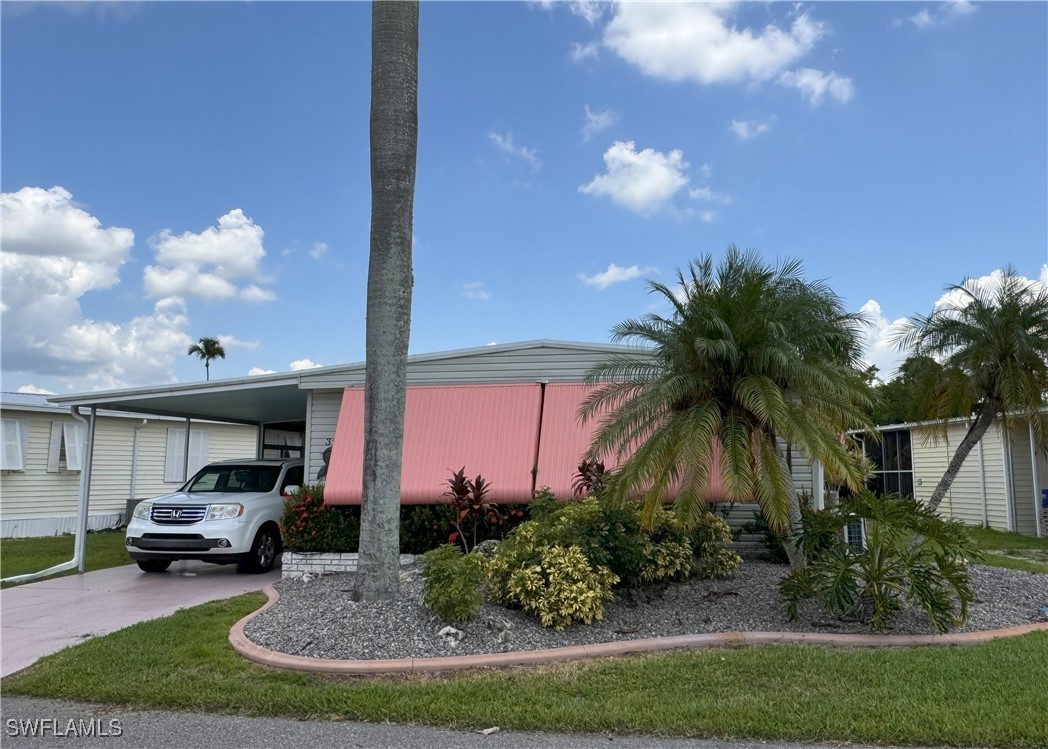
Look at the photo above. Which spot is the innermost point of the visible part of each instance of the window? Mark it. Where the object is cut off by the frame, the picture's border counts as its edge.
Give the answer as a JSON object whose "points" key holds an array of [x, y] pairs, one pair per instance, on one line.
{"points": [[16, 435], [67, 446], [892, 463], [233, 478], [174, 466]]}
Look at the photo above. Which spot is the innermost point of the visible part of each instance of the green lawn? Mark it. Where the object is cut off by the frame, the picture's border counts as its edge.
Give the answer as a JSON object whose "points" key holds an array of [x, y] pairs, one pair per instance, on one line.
{"points": [[984, 695], [1012, 550], [19, 556]]}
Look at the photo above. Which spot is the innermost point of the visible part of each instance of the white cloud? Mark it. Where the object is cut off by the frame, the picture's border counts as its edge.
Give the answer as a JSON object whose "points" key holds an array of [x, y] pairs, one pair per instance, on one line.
{"points": [[303, 364], [210, 263], [254, 371], [879, 338], [749, 129], [597, 121], [814, 84], [34, 390], [52, 253], [234, 342], [475, 290], [701, 42], [708, 217], [614, 274], [505, 144], [878, 342], [642, 181], [705, 193], [583, 52], [318, 250], [590, 10], [943, 13]]}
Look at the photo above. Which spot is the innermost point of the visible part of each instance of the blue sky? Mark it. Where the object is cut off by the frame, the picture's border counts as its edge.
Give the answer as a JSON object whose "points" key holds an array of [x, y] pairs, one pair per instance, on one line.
{"points": [[178, 170]]}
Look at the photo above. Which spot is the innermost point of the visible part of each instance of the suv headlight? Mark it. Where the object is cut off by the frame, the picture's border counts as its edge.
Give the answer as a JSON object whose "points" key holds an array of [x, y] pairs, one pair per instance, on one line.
{"points": [[142, 510], [224, 512]]}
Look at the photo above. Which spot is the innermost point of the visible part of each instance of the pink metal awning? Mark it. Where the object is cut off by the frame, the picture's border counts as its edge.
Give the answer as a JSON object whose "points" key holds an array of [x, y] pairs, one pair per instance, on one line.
{"points": [[490, 429], [564, 440]]}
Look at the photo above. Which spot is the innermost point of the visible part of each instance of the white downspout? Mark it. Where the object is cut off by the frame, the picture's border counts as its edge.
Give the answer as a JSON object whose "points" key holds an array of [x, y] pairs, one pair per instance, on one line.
{"points": [[1036, 482], [134, 461], [982, 485], [820, 485], [80, 548], [1009, 499]]}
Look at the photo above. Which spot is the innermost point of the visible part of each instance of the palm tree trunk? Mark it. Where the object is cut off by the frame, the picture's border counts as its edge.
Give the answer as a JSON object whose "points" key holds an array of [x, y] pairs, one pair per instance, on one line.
{"points": [[982, 422], [394, 143], [207, 371]]}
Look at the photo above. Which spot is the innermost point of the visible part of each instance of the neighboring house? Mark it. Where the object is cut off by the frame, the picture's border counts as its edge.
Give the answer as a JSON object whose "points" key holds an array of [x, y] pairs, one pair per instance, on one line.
{"points": [[134, 457], [506, 411], [1001, 483]]}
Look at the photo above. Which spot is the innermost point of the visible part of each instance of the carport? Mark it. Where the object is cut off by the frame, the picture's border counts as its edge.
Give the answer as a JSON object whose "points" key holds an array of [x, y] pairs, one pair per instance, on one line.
{"points": [[264, 401]]}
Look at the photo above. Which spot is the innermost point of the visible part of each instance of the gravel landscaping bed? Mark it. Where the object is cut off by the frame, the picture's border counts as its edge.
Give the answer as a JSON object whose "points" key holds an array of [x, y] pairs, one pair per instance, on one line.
{"points": [[318, 617]]}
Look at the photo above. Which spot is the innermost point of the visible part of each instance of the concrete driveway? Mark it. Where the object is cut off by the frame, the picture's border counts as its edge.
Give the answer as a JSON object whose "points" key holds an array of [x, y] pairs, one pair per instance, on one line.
{"points": [[43, 617]]}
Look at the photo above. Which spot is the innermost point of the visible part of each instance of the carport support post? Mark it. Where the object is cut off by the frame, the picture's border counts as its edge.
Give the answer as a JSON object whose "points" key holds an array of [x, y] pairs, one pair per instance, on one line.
{"points": [[1036, 483], [80, 546], [185, 453]]}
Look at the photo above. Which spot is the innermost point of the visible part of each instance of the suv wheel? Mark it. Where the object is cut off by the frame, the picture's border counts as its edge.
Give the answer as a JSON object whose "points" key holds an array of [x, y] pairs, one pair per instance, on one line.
{"points": [[264, 551], [153, 565]]}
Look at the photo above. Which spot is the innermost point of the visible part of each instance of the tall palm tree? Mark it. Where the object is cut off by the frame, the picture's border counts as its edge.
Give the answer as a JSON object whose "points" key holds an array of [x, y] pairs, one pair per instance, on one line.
{"points": [[394, 144], [207, 349], [992, 341], [754, 359]]}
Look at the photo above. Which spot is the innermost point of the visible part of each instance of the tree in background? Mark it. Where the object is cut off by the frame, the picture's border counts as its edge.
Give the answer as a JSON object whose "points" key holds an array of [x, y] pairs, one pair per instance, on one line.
{"points": [[394, 143], [753, 358], [992, 342], [207, 349], [906, 397]]}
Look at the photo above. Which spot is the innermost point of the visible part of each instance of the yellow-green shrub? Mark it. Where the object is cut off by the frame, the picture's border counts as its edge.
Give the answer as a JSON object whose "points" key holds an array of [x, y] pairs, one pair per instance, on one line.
{"points": [[709, 537], [451, 582], [562, 588]]}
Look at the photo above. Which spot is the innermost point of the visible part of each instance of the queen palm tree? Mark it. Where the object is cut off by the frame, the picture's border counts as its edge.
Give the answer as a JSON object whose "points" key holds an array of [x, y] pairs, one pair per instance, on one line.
{"points": [[752, 358], [992, 341], [207, 349], [394, 144]]}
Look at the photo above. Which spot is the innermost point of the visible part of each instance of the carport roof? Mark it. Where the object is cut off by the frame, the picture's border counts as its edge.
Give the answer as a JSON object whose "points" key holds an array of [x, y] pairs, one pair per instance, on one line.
{"points": [[251, 400], [270, 398]]}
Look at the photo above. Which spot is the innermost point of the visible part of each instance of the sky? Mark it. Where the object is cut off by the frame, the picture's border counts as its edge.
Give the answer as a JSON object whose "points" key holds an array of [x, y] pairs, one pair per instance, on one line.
{"points": [[177, 170]]}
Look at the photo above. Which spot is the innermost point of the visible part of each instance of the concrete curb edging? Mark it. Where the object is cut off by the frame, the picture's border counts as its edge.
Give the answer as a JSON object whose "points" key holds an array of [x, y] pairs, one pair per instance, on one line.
{"points": [[273, 659]]}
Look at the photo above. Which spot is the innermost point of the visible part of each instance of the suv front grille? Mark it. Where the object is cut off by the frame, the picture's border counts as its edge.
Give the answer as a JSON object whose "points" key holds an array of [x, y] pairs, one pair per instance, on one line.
{"points": [[178, 515]]}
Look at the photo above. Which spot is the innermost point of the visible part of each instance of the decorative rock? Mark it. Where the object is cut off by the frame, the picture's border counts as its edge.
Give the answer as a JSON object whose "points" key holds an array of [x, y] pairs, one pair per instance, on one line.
{"points": [[451, 636], [500, 627], [308, 577], [486, 548]]}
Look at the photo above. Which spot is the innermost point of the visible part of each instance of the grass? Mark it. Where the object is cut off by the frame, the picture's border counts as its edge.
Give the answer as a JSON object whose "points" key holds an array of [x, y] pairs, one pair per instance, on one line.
{"points": [[983, 695], [19, 556], [1012, 550]]}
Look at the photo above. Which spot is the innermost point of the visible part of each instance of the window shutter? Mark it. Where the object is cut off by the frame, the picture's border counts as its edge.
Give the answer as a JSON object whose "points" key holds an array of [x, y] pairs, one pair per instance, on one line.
{"points": [[198, 449], [11, 459], [176, 440], [74, 441], [54, 451]]}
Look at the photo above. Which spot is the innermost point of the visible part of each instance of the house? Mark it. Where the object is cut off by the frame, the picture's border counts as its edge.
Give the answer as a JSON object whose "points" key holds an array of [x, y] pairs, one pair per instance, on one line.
{"points": [[1002, 484], [135, 457], [507, 411]]}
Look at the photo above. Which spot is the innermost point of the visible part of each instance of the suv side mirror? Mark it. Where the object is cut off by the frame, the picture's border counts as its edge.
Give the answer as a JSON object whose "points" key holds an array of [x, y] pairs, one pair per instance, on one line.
{"points": [[290, 489]]}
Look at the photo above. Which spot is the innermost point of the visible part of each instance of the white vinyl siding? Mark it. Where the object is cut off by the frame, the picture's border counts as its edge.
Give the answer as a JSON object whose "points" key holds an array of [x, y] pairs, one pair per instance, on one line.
{"points": [[965, 500], [36, 501], [323, 420], [174, 466]]}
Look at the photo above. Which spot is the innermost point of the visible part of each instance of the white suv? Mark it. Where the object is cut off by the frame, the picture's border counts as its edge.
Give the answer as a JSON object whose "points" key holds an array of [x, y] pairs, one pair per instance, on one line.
{"points": [[228, 513]]}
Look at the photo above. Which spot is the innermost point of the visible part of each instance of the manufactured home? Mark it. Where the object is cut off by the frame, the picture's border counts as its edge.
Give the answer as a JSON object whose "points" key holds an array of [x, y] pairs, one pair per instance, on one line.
{"points": [[1002, 484], [134, 457]]}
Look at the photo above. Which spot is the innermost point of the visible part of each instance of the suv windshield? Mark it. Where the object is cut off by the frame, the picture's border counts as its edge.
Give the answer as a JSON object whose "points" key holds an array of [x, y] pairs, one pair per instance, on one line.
{"points": [[234, 479]]}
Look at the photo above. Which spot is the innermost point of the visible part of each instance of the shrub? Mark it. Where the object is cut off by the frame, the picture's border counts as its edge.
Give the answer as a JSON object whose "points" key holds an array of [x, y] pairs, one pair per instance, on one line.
{"points": [[451, 582], [470, 506], [307, 524], [424, 527], [562, 588], [911, 553], [709, 537]]}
